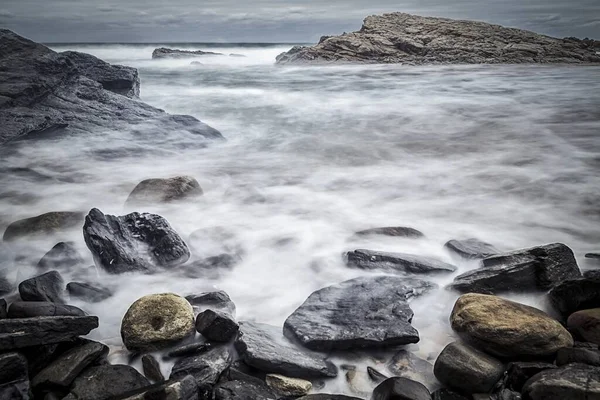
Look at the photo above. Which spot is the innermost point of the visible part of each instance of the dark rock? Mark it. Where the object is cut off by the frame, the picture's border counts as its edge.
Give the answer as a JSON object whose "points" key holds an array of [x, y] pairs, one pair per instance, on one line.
{"points": [[88, 292], [164, 52], [240, 371], [586, 323], [206, 368], [243, 390], [592, 274], [471, 248], [592, 255], [14, 381], [28, 309], [407, 365], [151, 191], [216, 326], [570, 355], [324, 396], [376, 376], [63, 255], [362, 312], [467, 369], [573, 381], [134, 242], [397, 231], [183, 389], [400, 389], [211, 267], [396, 262], [5, 285], [45, 224], [517, 373], [506, 394], [106, 381], [38, 357], [218, 300], [190, 349], [264, 347], [3, 311], [447, 394], [585, 345], [17, 333], [46, 287], [151, 368], [574, 295]]}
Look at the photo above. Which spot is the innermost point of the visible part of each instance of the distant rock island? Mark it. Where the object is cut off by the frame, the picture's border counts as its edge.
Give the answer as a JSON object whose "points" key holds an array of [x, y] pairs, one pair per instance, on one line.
{"points": [[410, 39], [164, 52]]}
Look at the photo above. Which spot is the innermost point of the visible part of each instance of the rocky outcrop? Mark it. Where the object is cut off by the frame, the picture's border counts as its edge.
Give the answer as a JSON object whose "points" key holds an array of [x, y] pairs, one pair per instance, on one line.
{"points": [[28, 309], [414, 40], [46, 287], [163, 52]]}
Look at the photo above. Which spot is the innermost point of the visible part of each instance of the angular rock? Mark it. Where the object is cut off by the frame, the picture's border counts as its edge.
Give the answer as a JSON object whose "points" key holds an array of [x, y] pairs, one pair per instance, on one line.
{"points": [[183, 389], [157, 321], [190, 349], [575, 295], [400, 389], [63, 255], [243, 390], [375, 375], [14, 380], [573, 381], [325, 396], [3, 311], [218, 300], [206, 368], [151, 368], [216, 326], [164, 52], [286, 386], [263, 347], [28, 309], [592, 255], [397, 231], [507, 329], [471, 248], [106, 381], [447, 394], [505, 394], [88, 292], [362, 312], [46, 287], [45, 224], [134, 242], [517, 373], [466, 369], [151, 191], [396, 262], [569, 355], [586, 323], [407, 365]]}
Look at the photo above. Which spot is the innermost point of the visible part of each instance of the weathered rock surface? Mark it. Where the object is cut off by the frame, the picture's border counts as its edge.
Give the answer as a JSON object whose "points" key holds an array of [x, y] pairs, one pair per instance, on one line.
{"points": [[88, 292], [157, 321], [151, 191], [592, 255], [63, 255], [397, 231], [400, 389], [362, 312], [410, 39], [574, 381], [571, 355], [574, 295], [216, 326], [211, 267], [396, 262], [286, 386], [206, 368], [44, 224], [163, 52], [587, 324], [182, 389], [28, 309], [218, 300], [46, 287], [244, 390], [106, 381], [471, 248], [407, 365], [447, 394], [517, 373], [507, 329], [14, 380], [264, 347], [151, 368], [134, 242]]}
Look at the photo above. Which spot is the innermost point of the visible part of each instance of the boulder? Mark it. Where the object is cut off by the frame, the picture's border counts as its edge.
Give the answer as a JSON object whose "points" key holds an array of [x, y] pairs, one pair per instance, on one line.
{"points": [[507, 329], [183, 389], [396, 262], [471, 248], [206, 368], [573, 381], [586, 323], [28, 309], [63, 255], [286, 386], [164, 52], [5, 285], [46, 224], [218, 301], [407, 365], [151, 368], [216, 326], [157, 321], [447, 394], [14, 380], [105, 382], [264, 347], [3, 310], [46, 287], [362, 312], [243, 390], [574, 295], [152, 191], [592, 274], [91, 293], [571, 355], [592, 255], [400, 389], [396, 231], [190, 349], [134, 242], [517, 373]]}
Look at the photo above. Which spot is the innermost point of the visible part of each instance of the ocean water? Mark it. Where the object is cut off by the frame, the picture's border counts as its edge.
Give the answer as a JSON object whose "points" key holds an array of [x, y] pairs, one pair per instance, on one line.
{"points": [[506, 154]]}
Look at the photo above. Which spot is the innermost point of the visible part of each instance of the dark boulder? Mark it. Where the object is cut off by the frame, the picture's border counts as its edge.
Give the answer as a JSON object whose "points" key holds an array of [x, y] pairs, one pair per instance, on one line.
{"points": [[407, 365], [517, 373], [182, 389], [586, 323], [573, 381], [14, 380], [155, 191], [447, 394], [151, 368], [400, 389], [3, 310], [106, 381], [219, 301], [574, 295], [592, 255], [134, 242], [46, 287], [46, 224], [5, 285], [63, 255], [244, 390], [592, 274], [396, 231], [92, 293], [206, 368], [28, 309], [471, 248], [396, 262], [570, 355], [164, 52], [362, 312], [216, 326], [325, 396], [190, 349]]}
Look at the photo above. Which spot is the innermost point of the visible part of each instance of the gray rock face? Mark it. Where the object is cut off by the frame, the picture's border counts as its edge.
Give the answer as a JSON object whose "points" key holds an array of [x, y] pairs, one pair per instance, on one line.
{"points": [[46, 287], [14, 381], [151, 191], [63, 255], [263, 347], [28, 309], [574, 295], [44, 224], [471, 248], [400, 389], [182, 389], [106, 381], [573, 381], [396, 262], [163, 52], [411, 39], [206, 368], [134, 242], [362, 312]]}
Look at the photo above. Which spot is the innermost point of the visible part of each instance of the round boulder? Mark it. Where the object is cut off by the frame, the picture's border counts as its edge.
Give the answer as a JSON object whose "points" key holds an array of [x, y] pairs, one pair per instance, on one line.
{"points": [[164, 190], [507, 329], [587, 324], [157, 321]]}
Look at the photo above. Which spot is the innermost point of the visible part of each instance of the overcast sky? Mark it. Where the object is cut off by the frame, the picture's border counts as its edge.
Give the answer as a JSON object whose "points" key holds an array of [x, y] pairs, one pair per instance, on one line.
{"points": [[270, 20]]}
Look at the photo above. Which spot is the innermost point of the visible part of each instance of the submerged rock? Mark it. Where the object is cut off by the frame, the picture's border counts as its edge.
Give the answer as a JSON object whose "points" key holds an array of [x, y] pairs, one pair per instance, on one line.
{"points": [[151, 191], [218, 300], [573, 381], [45, 224], [46, 287], [190, 349], [397, 231], [517, 373], [211, 267], [164, 52], [14, 379], [471, 248], [592, 255], [587, 324], [407, 365], [88, 292], [206, 368], [106, 381], [574, 295], [151, 368], [28, 309], [63, 255], [396, 262]]}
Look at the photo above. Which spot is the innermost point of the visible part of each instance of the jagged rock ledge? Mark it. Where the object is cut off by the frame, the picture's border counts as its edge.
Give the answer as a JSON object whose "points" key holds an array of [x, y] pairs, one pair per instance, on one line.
{"points": [[414, 40], [163, 52]]}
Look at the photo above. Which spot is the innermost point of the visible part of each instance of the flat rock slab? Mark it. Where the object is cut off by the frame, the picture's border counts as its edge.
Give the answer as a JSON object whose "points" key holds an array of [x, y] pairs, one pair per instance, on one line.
{"points": [[44, 224], [14, 381], [396, 231], [362, 312], [592, 255], [106, 381], [164, 52], [46, 287], [183, 389], [218, 300], [573, 381], [264, 347], [244, 390], [206, 368], [396, 262], [27, 309], [471, 248], [92, 293]]}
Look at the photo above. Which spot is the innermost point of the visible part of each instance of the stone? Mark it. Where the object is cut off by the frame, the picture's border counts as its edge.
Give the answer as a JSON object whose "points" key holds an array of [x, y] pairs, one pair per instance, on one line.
{"points": [[375, 375], [569, 355], [46, 287], [519, 372], [91, 293], [574, 295], [592, 255], [506, 394], [264, 347], [410, 39], [14, 380], [3, 310], [183, 389], [157, 321], [106, 381], [164, 52], [243, 390], [17, 333], [211, 267], [396, 231], [396, 262], [45, 224], [361, 312], [585, 345], [407, 365], [400, 389], [6, 286], [466, 369], [286, 386], [586, 323], [471, 248], [447, 394], [134, 242], [216, 326], [325, 396], [507, 329], [190, 349], [573, 381], [206, 368], [152, 191], [218, 301], [28, 309], [359, 381], [151, 368], [63, 255]]}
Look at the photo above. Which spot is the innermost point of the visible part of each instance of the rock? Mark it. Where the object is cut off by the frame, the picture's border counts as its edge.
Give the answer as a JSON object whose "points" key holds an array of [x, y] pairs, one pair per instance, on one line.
{"points": [[63, 371], [573, 381], [190, 349], [216, 326], [375, 375], [263, 347], [592, 255], [467, 369], [17, 333], [243, 390], [324, 396], [507, 329], [237, 55], [211, 267], [569, 355], [288, 386], [5, 285], [586, 323], [164, 52], [517, 373], [3, 311], [46, 224], [471, 248], [63, 255], [592, 274], [218, 300], [14, 381], [400, 389], [585, 345], [362, 312], [359, 381], [206, 368], [396, 262], [106, 381], [183, 389], [407, 365], [152, 191], [575, 295], [214, 242], [447, 394], [157, 321], [151, 368], [134, 242], [48, 93], [28, 309], [88, 292], [46, 287], [414, 40], [506, 394], [398, 231]]}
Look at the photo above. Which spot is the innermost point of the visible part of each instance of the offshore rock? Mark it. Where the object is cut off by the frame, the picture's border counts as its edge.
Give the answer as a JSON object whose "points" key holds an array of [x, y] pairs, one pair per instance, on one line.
{"points": [[396, 262], [163, 52]]}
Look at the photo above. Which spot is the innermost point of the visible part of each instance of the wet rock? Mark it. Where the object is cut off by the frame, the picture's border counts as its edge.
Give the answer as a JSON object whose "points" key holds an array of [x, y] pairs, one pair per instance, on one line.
{"points": [[157, 321], [190, 349], [3, 311], [216, 326], [14, 380], [586, 323], [263, 347], [218, 301], [466, 369], [46, 287], [362, 312], [397, 231], [324, 396], [164, 52], [585, 345], [507, 329], [569, 355], [592, 255], [5, 285], [471, 248], [592, 274], [105, 381], [91, 293], [376, 376], [46, 224], [214, 242], [573, 381], [574, 295], [63, 255], [153, 191], [286, 386], [206, 368], [359, 382], [28, 309], [151, 368], [400, 389], [506, 394], [517, 373], [396, 262], [243, 390], [134, 242], [447, 394], [407, 365], [183, 389]]}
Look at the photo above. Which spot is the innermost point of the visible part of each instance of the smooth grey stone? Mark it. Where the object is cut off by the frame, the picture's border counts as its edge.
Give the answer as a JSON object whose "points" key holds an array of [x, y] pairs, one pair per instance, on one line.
{"points": [[46, 287], [28, 309], [471, 248], [396, 262]]}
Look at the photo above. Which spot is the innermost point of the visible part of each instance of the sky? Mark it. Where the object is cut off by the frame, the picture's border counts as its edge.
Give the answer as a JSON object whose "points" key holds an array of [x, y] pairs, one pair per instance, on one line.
{"points": [[285, 21]]}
